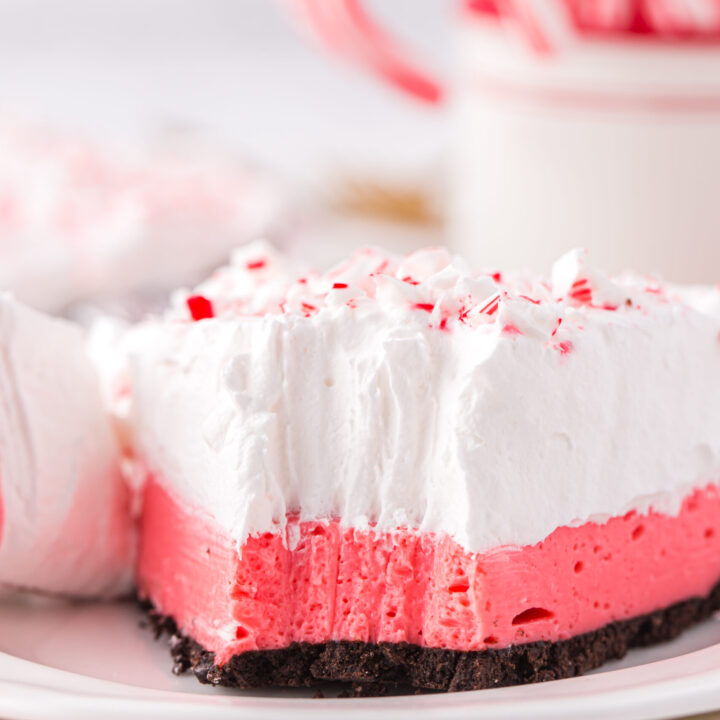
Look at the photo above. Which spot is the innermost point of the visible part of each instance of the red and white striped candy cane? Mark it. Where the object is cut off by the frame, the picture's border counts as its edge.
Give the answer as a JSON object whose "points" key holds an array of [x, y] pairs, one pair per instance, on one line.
{"points": [[345, 28], [603, 14], [684, 16], [545, 24]]}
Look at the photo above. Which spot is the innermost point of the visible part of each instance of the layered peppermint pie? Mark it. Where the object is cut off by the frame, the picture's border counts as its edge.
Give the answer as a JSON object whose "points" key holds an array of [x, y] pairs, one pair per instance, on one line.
{"points": [[65, 524], [404, 472]]}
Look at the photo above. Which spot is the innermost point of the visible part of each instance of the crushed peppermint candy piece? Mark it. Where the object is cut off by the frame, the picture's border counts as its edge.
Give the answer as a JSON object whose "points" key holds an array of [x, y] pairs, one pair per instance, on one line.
{"points": [[431, 281], [200, 307]]}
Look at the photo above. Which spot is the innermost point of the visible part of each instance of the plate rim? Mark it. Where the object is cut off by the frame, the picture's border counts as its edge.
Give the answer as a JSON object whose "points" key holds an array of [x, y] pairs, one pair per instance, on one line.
{"points": [[651, 690]]}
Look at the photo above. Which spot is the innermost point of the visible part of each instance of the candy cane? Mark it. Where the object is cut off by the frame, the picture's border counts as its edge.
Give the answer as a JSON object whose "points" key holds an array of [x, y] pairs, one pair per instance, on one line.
{"points": [[683, 16], [344, 27], [603, 14], [547, 26]]}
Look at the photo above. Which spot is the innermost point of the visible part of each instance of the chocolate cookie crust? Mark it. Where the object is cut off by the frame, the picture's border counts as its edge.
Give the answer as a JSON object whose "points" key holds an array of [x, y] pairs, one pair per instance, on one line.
{"points": [[376, 668]]}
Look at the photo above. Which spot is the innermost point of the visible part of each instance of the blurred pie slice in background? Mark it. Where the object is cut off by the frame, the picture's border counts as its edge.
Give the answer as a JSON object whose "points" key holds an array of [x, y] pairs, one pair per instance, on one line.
{"points": [[81, 221]]}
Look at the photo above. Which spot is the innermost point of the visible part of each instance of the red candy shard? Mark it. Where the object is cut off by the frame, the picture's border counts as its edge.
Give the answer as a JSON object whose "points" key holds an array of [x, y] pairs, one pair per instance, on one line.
{"points": [[427, 307], [491, 307], [529, 299], [256, 264], [339, 286], [581, 291], [200, 307]]}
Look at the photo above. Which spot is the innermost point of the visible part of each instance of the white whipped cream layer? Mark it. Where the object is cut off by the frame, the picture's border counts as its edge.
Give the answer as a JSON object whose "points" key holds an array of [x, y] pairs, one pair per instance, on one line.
{"points": [[493, 409], [65, 525]]}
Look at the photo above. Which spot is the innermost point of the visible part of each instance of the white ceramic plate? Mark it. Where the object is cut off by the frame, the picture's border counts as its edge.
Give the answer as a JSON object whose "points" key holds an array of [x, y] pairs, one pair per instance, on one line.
{"points": [[96, 661]]}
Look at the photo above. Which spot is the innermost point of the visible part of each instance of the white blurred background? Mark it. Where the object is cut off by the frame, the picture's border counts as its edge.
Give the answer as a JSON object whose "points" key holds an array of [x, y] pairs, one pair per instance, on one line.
{"points": [[239, 70], [609, 140], [336, 150]]}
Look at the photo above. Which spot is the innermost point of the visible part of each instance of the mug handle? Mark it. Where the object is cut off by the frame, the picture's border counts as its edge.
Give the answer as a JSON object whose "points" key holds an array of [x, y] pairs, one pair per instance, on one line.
{"points": [[347, 29]]}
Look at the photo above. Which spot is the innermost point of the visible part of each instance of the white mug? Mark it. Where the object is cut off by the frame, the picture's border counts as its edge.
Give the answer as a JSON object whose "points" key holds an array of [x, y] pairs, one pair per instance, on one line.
{"points": [[591, 123]]}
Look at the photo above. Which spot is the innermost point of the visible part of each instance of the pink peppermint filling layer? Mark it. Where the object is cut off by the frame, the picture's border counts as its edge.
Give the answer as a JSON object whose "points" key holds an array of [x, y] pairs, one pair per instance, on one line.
{"points": [[320, 581]]}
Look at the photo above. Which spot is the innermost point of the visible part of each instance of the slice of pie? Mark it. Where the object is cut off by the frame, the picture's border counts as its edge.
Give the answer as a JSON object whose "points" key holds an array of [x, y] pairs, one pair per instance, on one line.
{"points": [[404, 472], [65, 523]]}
